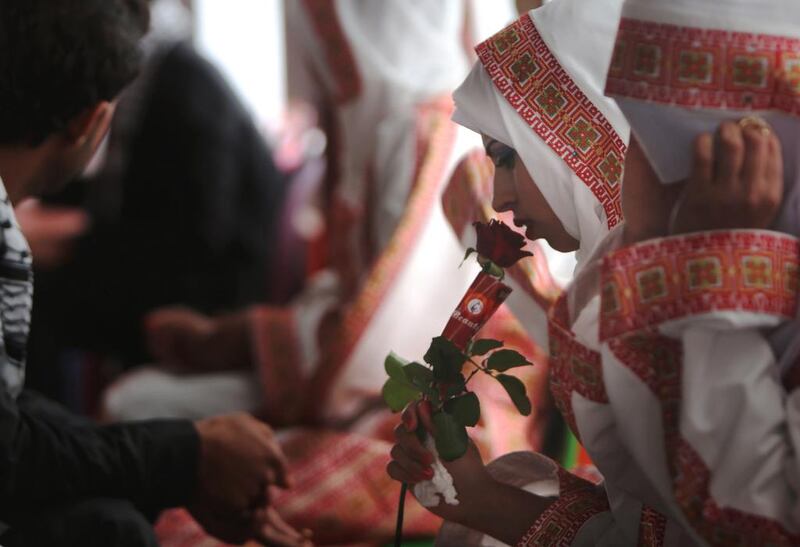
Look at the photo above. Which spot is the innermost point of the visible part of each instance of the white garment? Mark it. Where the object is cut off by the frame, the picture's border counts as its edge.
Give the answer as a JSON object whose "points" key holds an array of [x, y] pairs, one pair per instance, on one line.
{"points": [[618, 506], [151, 393], [712, 421], [488, 103], [370, 64], [735, 427], [391, 43], [493, 102]]}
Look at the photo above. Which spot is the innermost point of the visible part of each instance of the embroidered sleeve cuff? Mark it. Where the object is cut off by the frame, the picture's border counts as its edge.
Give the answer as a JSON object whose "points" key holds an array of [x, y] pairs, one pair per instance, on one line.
{"points": [[673, 278], [277, 352], [578, 502]]}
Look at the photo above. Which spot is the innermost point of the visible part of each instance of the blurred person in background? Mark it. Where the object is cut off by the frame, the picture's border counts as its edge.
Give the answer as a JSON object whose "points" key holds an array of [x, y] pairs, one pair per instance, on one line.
{"points": [[64, 480], [386, 247], [179, 208]]}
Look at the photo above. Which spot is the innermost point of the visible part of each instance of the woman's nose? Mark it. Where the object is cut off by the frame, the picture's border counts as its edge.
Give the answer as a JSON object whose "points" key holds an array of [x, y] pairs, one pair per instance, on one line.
{"points": [[504, 195]]}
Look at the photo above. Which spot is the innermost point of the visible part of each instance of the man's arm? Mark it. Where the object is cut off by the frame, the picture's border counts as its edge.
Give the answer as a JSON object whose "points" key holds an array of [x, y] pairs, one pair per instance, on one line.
{"points": [[43, 460]]}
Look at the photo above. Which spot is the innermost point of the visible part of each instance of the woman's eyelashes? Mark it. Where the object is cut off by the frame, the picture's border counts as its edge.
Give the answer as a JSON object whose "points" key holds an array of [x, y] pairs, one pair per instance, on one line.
{"points": [[502, 156]]}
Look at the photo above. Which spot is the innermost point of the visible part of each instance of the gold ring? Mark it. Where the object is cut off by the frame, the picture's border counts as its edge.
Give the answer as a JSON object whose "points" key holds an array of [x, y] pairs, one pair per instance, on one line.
{"points": [[755, 121]]}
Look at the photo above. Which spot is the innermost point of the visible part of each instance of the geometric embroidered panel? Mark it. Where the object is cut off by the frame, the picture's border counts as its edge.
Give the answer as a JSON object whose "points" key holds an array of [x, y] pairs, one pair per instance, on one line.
{"points": [[649, 283], [530, 78], [705, 68], [573, 366]]}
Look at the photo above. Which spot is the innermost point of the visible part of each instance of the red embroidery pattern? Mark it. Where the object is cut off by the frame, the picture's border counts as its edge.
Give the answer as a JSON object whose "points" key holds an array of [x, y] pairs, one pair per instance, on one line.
{"points": [[657, 361], [646, 284], [705, 68], [277, 348], [529, 76], [340, 57], [578, 501], [652, 527], [574, 367]]}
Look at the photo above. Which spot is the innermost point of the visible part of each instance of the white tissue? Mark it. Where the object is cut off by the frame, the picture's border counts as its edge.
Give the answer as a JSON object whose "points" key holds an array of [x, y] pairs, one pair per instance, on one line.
{"points": [[428, 493]]}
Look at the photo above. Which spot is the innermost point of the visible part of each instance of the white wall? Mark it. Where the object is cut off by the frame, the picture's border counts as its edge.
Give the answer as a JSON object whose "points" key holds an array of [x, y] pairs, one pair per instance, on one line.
{"points": [[245, 39]]}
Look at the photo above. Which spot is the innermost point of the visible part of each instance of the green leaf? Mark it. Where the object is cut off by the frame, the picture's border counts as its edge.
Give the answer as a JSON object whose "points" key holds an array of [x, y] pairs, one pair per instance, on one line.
{"points": [[394, 366], [469, 253], [445, 358], [450, 436], [397, 394], [484, 346], [465, 409], [505, 359], [419, 376], [456, 387], [516, 390]]}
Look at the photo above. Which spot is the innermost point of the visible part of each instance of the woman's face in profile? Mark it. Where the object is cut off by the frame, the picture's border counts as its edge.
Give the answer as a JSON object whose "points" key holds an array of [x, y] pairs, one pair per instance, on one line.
{"points": [[516, 191]]}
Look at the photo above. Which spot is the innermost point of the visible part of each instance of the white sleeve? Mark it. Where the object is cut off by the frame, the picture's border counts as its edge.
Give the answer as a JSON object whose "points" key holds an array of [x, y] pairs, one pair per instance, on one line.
{"points": [[694, 385]]}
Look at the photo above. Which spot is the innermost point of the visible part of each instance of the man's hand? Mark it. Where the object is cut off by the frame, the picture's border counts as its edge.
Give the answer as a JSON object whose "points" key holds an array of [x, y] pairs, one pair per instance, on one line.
{"points": [[239, 459], [737, 184], [191, 341]]}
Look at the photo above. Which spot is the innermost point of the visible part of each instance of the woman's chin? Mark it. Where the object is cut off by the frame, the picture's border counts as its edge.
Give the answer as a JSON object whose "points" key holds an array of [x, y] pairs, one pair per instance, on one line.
{"points": [[564, 244]]}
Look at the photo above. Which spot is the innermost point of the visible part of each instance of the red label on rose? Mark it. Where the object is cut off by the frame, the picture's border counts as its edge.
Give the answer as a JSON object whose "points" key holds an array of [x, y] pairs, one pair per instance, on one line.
{"points": [[481, 301]]}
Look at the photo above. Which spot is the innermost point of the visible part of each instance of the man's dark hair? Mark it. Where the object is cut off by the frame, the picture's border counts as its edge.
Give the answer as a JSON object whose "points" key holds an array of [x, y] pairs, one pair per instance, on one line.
{"points": [[60, 57]]}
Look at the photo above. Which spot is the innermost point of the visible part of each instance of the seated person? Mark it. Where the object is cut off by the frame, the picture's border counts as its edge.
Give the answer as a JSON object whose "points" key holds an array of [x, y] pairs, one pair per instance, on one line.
{"points": [[182, 203], [64, 480]]}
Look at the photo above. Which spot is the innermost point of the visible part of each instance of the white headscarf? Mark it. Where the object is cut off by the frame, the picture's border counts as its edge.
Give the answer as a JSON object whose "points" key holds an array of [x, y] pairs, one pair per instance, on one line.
{"points": [[680, 68], [538, 88]]}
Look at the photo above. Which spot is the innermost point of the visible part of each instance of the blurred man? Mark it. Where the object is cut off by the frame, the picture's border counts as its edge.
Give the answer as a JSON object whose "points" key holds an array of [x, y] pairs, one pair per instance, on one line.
{"points": [[63, 480]]}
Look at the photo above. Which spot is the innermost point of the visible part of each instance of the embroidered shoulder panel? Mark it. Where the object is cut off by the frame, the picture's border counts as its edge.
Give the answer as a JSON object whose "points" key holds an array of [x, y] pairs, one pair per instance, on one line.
{"points": [[573, 367], [705, 68], [672, 278]]}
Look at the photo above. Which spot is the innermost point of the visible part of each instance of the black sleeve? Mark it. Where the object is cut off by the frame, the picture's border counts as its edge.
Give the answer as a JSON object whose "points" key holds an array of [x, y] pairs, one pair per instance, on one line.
{"points": [[46, 460]]}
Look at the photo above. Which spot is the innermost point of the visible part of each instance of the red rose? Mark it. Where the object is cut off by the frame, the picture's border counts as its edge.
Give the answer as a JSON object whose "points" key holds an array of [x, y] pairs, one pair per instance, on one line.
{"points": [[499, 243]]}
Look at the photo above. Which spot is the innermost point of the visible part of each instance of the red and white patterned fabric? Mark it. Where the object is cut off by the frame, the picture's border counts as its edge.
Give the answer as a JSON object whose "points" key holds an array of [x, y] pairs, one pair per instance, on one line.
{"points": [[541, 95], [700, 331], [682, 67], [538, 88], [685, 349], [548, 119]]}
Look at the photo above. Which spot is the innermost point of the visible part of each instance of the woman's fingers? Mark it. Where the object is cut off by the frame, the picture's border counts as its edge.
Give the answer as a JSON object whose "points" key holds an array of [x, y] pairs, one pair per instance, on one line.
{"points": [[409, 416], [412, 446], [730, 155], [415, 468], [774, 166], [425, 412], [703, 160], [754, 167], [399, 473]]}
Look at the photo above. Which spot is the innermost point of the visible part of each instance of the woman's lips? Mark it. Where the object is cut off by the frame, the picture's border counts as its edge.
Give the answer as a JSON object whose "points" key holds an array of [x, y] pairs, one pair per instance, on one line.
{"points": [[527, 224]]}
